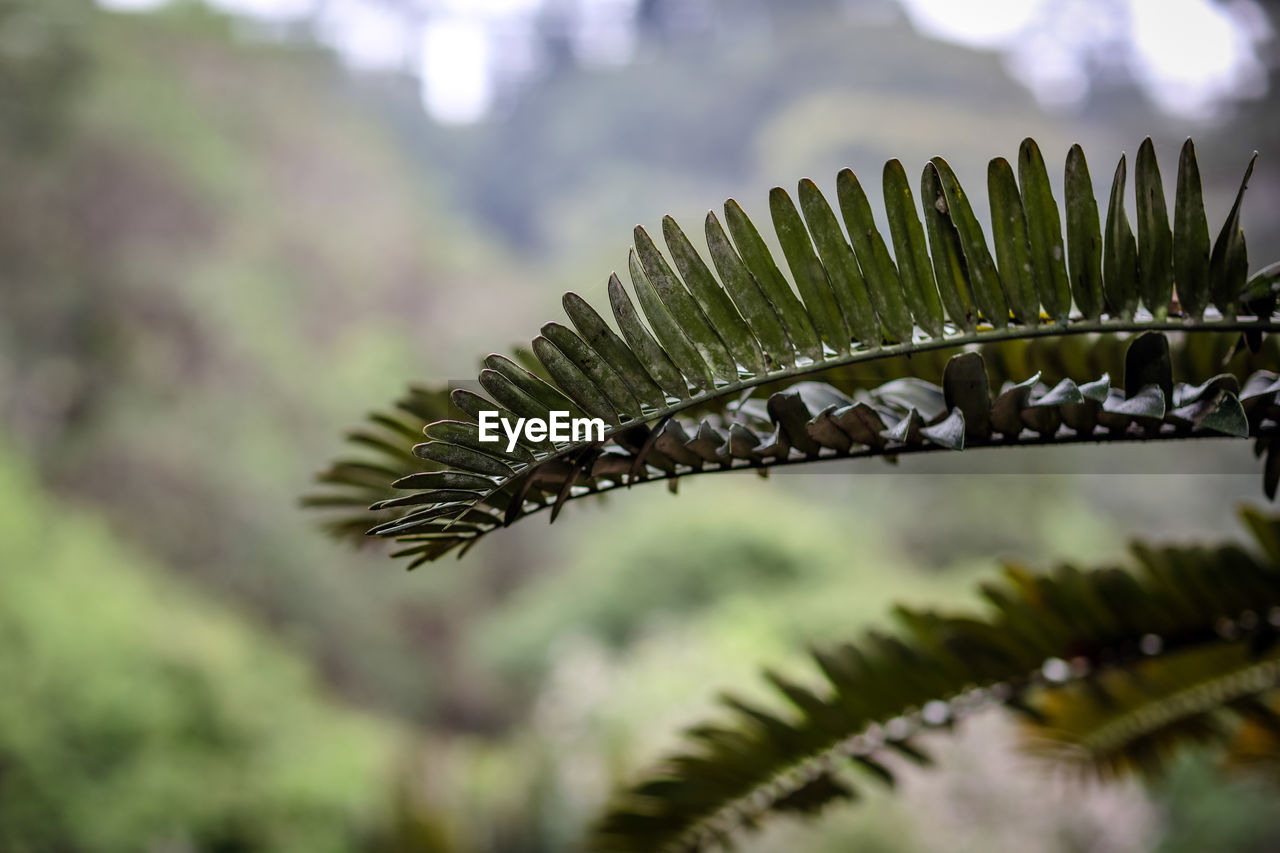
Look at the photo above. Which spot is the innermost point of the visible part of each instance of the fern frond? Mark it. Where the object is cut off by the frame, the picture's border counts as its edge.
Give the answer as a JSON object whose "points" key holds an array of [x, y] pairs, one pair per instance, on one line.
{"points": [[1112, 667], [976, 403], [726, 364]]}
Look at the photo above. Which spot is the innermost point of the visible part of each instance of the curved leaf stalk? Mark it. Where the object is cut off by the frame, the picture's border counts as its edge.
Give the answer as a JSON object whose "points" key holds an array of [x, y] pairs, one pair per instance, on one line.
{"points": [[812, 421], [384, 445], [1191, 701], [366, 482], [694, 336]]}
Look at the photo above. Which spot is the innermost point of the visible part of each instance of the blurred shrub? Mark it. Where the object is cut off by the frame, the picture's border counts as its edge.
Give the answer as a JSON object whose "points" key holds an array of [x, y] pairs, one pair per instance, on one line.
{"points": [[135, 717], [148, 291], [1205, 810], [41, 62], [664, 560]]}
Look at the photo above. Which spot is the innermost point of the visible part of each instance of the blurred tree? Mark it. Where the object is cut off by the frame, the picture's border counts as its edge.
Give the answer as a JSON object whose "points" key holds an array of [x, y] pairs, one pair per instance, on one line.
{"points": [[147, 289], [135, 717], [42, 63]]}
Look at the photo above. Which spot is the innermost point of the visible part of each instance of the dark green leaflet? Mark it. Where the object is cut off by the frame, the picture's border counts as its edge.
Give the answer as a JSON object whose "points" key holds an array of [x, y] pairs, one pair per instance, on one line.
{"points": [[1044, 230], [715, 302], [1190, 236], [472, 404], [755, 254], [684, 311], [463, 458], [1084, 237], [656, 361], [878, 268], [613, 349], [807, 271], [444, 480], [547, 395], [842, 267], [594, 367], [747, 296], [511, 396], [1229, 264], [911, 249], [947, 252], [667, 330], [467, 434], [1013, 249], [983, 278], [1155, 240], [575, 383], [1120, 253]]}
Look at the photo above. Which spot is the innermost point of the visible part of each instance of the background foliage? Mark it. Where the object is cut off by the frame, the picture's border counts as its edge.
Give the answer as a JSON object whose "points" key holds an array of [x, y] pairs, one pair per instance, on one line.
{"points": [[217, 246], [134, 711]]}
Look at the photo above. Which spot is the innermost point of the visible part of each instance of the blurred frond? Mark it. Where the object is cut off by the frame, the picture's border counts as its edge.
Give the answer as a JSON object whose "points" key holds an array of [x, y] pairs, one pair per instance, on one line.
{"points": [[1110, 668]]}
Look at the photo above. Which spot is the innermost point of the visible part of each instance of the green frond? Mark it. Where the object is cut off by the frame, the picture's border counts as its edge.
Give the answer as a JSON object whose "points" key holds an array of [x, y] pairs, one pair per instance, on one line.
{"points": [[1012, 393], [1110, 667], [731, 363]]}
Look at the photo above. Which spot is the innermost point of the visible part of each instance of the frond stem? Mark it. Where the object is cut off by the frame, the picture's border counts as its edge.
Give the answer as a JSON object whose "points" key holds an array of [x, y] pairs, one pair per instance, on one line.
{"points": [[1053, 440], [1050, 329]]}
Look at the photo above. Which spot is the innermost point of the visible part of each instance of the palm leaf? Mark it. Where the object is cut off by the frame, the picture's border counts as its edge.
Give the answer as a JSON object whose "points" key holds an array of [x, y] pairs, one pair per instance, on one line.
{"points": [[1112, 668], [1008, 394], [736, 368]]}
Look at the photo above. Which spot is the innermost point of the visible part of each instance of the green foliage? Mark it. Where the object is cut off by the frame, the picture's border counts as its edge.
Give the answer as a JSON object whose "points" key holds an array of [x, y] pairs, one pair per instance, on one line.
{"points": [[714, 348], [174, 348], [43, 60], [133, 716], [685, 570], [628, 580], [1207, 812], [149, 294], [1111, 666]]}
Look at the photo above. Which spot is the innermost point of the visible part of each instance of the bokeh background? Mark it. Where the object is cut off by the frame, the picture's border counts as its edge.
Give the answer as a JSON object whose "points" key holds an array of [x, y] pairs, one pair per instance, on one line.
{"points": [[228, 229]]}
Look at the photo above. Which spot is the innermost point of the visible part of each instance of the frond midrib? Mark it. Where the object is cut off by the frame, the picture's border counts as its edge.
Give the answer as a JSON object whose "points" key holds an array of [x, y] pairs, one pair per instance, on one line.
{"points": [[1035, 440], [1047, 330], [1191, 701]]}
